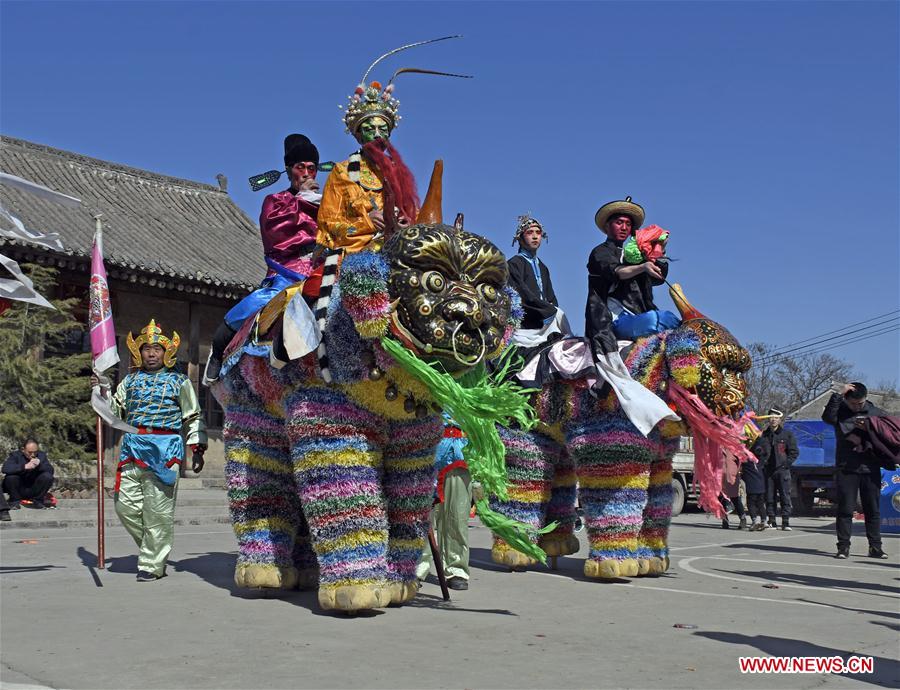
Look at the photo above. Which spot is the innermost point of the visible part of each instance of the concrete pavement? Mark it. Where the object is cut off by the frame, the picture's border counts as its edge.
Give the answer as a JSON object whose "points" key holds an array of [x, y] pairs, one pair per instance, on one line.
{"points": [[66, 624]]}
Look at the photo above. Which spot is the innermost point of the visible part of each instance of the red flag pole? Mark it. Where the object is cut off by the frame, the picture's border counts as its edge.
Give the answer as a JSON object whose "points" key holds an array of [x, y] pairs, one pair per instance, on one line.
{"points": [[101, 497]]}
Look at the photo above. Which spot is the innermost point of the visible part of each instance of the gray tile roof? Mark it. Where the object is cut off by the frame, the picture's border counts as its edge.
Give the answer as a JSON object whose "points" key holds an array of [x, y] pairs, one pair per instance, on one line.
{"points": [[153, 223]]}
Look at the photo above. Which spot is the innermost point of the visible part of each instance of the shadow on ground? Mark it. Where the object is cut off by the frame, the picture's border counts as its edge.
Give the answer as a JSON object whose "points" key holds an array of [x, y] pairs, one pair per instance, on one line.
{"points": [[886, 671]]}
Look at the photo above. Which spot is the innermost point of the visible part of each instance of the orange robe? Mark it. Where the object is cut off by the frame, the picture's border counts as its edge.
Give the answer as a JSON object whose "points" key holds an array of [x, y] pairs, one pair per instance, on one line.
{"points": [[344, 212]]}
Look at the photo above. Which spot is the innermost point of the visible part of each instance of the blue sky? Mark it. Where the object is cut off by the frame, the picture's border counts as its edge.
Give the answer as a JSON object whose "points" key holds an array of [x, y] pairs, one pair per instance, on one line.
{"points": [[762, 135]]}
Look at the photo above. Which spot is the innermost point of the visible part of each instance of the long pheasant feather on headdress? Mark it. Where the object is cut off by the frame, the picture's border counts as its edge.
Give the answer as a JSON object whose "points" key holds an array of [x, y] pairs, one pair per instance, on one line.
{"points": [[406, 47]]}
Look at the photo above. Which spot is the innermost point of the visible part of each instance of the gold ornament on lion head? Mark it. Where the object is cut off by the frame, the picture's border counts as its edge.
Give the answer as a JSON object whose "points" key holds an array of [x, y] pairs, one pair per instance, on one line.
{"points": [[151, 334], [723, 360], [447, 287]]}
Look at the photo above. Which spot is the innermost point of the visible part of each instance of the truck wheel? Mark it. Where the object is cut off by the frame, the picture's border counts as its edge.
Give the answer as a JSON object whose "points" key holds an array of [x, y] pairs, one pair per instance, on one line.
{"points": [[677, 497]]}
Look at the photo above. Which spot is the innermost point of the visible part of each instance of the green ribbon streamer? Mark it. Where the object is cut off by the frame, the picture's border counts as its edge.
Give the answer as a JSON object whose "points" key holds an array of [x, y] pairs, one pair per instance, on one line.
{"points": [[477, 403]]}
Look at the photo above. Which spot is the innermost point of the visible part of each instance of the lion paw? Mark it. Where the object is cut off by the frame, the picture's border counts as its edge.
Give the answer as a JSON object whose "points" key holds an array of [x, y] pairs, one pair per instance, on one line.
{"points": [[657, 566], [504, 554], [555, 544], [611, 569], [352, 598], [401, 592], [266, 576]]}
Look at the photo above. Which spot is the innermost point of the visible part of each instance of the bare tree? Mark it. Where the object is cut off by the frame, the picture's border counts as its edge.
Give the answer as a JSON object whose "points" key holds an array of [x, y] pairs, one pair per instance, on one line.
{"points": [[787, 382]]}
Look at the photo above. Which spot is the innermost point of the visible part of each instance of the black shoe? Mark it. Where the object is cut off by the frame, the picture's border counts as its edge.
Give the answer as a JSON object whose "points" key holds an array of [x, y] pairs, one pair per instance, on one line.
{"points": [[4, 516], [144, 576], [772, 523], [877, 553], [211, 370], [34, 505], [725, 524], [843, 553], [15, 505], [458, 583]]}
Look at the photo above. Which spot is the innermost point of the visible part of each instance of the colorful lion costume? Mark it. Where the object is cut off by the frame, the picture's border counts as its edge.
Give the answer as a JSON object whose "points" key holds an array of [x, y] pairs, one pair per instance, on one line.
{"points": [[624, 478], [331, 483]]}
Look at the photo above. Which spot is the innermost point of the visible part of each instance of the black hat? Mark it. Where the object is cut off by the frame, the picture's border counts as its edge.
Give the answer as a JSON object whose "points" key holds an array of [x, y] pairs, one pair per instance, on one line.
{"points": [[297, 148]]}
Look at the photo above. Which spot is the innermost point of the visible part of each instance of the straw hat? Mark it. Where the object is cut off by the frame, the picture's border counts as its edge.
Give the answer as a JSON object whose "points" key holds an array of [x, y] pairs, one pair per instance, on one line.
{"points": [[617, 208]]}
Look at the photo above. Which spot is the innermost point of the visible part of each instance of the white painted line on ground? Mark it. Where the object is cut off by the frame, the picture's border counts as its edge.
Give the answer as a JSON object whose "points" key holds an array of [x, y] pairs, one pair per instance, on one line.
{"points": [[812, 564], [685, 563], [737, 543]]}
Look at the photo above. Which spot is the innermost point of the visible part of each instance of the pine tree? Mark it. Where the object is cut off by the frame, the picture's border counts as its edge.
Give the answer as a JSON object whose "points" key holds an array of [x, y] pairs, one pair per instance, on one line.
{"points": [[45, 394]]}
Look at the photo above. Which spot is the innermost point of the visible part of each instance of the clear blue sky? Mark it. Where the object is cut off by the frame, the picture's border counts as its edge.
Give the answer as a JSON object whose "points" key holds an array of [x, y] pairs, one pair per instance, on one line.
{"points": [[763, 135]]}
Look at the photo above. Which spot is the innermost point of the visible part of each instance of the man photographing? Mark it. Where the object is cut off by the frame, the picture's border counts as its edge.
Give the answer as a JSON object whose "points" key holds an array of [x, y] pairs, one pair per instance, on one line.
{"points": [[857, 468]]}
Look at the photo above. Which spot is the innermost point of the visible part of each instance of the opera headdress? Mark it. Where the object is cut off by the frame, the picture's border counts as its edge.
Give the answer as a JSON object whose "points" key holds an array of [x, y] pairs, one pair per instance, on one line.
{"points": [[371, 100], [151, 334]]}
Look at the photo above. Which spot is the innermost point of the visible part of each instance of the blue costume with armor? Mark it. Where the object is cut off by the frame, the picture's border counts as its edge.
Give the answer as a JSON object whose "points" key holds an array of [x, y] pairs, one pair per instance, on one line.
{"points": [[160, 404]]}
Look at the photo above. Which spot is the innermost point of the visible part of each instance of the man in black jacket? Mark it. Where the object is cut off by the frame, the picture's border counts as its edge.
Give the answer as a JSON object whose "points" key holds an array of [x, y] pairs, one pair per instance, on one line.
{"points": [[28, 475], [777, 449], [857, 469], [618, 292]]}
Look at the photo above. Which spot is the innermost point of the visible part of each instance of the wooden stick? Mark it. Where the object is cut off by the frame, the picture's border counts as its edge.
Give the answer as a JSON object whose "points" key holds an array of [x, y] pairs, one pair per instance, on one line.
{"points": [[438, 563], [101, 519]]}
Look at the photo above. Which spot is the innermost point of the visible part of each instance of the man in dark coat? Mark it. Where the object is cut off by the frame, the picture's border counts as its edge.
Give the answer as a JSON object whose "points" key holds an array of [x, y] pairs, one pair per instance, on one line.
{"points": [[857, 467], [28, 475], [620, 295], [777, 449]]}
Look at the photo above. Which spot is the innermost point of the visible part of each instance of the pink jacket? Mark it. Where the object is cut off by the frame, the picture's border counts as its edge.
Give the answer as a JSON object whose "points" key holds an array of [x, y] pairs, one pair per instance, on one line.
{"points": [[288, 227]]}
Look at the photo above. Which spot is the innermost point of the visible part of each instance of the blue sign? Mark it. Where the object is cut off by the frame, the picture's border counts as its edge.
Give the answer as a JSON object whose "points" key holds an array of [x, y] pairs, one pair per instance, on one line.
{"points": [[890, 501]]}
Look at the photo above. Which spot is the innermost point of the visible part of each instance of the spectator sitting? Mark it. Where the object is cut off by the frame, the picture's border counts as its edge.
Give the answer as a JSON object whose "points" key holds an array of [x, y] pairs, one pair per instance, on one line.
{"points": [[28, 476]]}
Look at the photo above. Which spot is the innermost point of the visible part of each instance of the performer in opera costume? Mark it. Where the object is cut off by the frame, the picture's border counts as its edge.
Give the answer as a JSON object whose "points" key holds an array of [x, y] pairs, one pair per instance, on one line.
{"points": [[373, 192], [288, 228], [162, 404], [544, 322]]}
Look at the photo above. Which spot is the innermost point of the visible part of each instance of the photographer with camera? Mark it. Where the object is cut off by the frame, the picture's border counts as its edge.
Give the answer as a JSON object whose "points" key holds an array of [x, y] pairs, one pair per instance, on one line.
{"points": [[857, 468]]}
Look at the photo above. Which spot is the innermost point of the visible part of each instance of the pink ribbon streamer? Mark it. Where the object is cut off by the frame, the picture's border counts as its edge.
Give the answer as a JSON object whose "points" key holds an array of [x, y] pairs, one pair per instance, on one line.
{"points": [[714, 436]]}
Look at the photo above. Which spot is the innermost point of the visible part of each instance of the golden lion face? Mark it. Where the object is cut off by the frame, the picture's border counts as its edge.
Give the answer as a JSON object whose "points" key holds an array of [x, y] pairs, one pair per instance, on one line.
{"points": [[448, 286], [722, 364]]}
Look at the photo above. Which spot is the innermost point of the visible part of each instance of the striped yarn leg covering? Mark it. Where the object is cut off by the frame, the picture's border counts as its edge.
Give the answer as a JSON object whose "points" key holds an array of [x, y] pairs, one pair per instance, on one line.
{"points": [[336, 451], [561, 507], [530, 457], [305, 560], [259, 476], [409, 477], [613, 461], [653, 539]]}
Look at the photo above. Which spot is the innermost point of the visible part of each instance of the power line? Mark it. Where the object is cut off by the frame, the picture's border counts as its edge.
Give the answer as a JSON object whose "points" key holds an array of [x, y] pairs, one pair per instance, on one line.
{"points": [[843, 328], [814, 349], [894, 320], [833, 346]]}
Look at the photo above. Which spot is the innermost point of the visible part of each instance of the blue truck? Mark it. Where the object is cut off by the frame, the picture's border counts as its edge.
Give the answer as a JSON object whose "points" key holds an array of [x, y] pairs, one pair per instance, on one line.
{"points": [[813, 471]]}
